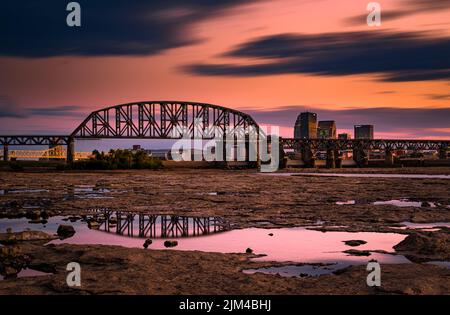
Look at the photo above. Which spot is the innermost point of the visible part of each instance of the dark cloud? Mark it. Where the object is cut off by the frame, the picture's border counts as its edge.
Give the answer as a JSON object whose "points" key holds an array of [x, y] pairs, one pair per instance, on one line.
{"points": [[57, 111], [8, 108], [406, 8], [438, 96], [37, 28], [385, 119], [393, 56]]}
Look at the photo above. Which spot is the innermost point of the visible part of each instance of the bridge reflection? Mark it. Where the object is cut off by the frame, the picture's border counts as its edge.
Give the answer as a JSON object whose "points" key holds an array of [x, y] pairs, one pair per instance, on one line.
{"points": [[146, 225]]}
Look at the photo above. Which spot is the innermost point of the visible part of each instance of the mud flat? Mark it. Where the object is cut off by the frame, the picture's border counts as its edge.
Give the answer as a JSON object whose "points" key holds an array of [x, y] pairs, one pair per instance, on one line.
{"points": [[245, 199]]}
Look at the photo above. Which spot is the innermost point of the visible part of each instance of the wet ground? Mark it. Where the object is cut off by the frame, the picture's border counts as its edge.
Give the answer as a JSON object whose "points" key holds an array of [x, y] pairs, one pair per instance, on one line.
{"points": [[293, 227]]}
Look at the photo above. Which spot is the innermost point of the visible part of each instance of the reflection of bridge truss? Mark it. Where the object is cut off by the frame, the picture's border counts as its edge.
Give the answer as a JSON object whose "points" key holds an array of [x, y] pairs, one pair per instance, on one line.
{"points": [[55, 153], [150, 225]]}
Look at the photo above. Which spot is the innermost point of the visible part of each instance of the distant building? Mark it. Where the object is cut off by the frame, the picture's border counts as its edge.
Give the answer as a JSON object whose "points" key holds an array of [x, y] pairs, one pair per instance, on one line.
{"points": [[364, 132], [344, 136], [326, 129], [306, 126]]}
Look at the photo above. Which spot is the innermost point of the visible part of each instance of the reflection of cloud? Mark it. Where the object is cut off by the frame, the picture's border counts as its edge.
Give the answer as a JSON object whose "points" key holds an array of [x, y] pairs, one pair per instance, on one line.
{"points": [[37, 28], [392, 56], [417, 121], [408, 7]]}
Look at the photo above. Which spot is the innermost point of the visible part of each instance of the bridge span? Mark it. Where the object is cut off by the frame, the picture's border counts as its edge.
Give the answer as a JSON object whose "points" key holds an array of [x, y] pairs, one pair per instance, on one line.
{"points": [[162, 120]]}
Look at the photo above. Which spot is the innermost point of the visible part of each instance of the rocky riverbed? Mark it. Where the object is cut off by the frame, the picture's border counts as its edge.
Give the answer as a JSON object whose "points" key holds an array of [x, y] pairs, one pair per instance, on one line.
{"points": [[245, 199]]}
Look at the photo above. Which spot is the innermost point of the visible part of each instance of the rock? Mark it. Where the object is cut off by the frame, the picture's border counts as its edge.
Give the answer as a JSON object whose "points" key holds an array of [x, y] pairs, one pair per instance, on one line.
{"points": [[303, 275], [354, 252], [10, 272], [38, 221], [147, 243], [11, 238], [93, 225], [426, 246], [33, 214], [170, 243], [270, 234], [65, 231], [249, 250], [74, 218], [426, 204], [113, 220], [9, 251], [354, 242]]}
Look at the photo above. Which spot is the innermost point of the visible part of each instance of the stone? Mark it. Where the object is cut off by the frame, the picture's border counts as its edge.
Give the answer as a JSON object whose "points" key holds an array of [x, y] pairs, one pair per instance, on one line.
{"points": [[11, 238], [249, 250], [354, 252], [65, 231], [147, 243], [33, 214], [93, 225], [270, 234], [355, 242], [170, 243]]}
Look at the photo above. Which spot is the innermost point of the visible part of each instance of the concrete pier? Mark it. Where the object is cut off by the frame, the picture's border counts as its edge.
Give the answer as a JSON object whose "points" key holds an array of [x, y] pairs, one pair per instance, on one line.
{"points": [[71, 150], [308, 157], [360, 157], [5, 153], [331, 162], [389, 158]]}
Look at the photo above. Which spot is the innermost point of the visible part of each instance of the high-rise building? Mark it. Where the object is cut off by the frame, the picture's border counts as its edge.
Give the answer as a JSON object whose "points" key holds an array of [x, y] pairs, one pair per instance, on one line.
{"points": [[326, 129], [364, 132], [344, 136], [306, 126]]}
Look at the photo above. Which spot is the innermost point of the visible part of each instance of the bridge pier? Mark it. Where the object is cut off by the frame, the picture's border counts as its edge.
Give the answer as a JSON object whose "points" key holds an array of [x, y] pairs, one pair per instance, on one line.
{"points": [[70, 150], [282, 157], [389, 158], [308, 157], [331, 162], [443, 153], [338, 158], [5, 153], [360, 157]]}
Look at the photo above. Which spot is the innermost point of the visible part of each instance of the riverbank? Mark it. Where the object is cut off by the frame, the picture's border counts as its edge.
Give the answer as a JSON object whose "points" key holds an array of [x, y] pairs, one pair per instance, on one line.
{"points": [[244, 199]]}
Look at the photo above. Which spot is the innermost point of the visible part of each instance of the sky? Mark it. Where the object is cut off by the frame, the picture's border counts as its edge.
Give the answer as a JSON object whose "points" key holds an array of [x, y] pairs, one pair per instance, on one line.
{"points": [[270, 58]]}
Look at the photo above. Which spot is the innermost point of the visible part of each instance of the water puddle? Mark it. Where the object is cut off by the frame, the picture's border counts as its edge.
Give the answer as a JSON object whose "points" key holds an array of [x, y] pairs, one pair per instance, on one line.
{"points": [[89, 192], [299, 270], [26, 273], [297, 245], [375, 175], [421, 226], [344, 203], [22, 191], [406, 203], [445, 264]]}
